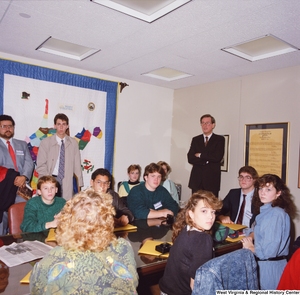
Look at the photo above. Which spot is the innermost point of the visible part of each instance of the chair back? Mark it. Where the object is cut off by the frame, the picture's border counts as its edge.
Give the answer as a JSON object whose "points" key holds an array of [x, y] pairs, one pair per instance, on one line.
{"points": [[236, 270], [178, 187], [15, 217]]}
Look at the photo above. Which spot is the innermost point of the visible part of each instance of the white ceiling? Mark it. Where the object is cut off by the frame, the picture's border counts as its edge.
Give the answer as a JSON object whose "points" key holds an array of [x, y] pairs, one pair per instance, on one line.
{"points": [[188, 39]]}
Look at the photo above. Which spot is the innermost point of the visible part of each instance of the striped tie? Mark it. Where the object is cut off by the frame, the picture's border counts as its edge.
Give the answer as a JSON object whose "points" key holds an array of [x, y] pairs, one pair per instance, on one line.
{"points": [[61, 167]]}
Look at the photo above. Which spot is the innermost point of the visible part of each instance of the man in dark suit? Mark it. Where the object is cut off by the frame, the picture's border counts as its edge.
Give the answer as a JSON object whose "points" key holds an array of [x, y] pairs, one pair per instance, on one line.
{"points": [[233, 202], [205, 154], [20, 162]]}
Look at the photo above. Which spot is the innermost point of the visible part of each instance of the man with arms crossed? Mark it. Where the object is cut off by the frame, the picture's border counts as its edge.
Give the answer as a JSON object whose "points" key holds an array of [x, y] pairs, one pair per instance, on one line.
{"points": [[235, 209], [149, 199], [49, 157], [205, 154]]}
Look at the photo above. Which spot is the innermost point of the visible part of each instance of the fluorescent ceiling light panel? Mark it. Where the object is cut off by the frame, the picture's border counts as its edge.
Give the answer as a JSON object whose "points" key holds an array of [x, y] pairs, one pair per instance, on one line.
{"points": [[260, 48], [66, 49], [166, 74], [147, 10]]}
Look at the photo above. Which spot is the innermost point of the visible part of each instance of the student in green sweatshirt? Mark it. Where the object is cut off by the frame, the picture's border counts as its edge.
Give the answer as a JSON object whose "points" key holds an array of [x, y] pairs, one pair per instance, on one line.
{"points": [[40, 211]]}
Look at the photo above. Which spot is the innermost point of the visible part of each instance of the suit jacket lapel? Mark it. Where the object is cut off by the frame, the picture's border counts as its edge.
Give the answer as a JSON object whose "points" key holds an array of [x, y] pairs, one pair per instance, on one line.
{"points": [[3, 146]]}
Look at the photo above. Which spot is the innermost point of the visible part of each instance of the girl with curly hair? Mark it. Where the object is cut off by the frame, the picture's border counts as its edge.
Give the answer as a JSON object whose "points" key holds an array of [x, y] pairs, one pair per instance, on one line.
{"points": [[89, 259], [270, 237], [193, 244]]}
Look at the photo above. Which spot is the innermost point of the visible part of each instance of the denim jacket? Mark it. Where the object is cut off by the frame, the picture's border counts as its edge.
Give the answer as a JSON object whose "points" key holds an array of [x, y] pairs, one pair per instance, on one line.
{"points": [[233, 271]]}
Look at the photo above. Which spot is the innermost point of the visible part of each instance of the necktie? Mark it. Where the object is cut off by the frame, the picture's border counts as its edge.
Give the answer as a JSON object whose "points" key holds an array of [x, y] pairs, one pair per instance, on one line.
{"points": [[12, 154], [241, 214], [206, 140], [61, 166]]}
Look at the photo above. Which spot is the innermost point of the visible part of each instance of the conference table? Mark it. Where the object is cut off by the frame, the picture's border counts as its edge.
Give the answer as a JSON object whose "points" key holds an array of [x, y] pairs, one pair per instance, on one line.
{"points": [[150, 268]]}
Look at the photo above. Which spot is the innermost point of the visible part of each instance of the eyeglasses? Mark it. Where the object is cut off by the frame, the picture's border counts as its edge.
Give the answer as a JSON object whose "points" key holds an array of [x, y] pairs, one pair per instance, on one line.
{"points": [[7, 126], [104, 183], [205, 123], [247, 177]]}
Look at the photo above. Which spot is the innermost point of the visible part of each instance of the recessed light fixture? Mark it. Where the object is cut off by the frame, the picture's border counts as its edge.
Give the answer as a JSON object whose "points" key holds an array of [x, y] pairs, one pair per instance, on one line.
{"points": [[167, 74], [66, 49], [147, 10], [260, 48]]}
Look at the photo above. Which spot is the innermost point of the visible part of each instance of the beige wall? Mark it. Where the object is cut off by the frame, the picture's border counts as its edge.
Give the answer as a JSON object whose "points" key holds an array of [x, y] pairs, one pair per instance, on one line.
{"points": [[262, 98], [143, 132]]}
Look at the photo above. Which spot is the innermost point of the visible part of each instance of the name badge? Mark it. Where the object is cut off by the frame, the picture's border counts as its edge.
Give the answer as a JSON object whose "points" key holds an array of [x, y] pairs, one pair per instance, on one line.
{"points": [[157, 205], [20, 153]]}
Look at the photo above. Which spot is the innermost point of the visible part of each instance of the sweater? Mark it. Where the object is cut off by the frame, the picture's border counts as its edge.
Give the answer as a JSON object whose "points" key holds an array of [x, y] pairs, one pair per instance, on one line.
{"points": [[290, 279], [140, 200], [190, 250], [69, 272], [125, 187], [37, 213]]}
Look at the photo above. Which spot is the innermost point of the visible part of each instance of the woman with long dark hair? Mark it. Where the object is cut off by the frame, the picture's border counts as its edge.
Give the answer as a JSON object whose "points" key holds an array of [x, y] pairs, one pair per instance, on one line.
{"points": [[270, 238]]}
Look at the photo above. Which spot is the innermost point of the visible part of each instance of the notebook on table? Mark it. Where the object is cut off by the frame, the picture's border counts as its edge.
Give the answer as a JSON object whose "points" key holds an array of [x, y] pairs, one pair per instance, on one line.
{"points": [[149, 248], [25, 280], [128, 227], [234, 226]]}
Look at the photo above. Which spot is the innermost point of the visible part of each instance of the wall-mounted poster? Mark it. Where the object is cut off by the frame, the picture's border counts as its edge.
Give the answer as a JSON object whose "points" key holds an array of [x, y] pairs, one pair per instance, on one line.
{"points": [[266, 148], [33, 95]]}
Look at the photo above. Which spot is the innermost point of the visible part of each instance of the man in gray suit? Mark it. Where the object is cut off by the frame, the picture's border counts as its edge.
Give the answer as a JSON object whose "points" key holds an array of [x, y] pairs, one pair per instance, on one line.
{"points": [[22, 162]]}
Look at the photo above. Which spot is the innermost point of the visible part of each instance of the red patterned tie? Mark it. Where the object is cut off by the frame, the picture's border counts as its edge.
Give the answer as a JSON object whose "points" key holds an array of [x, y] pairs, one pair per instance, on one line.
{"points": [[12, 154]]}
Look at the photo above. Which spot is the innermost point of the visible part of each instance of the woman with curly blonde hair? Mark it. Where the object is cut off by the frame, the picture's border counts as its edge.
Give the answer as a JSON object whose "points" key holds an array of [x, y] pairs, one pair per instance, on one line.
{"points": [[89, 258], [193, 244]]}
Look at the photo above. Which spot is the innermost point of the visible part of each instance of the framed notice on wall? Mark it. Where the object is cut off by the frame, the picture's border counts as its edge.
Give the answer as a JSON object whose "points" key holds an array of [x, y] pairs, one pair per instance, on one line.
{"points": [[225, 160], [266, 148]]}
